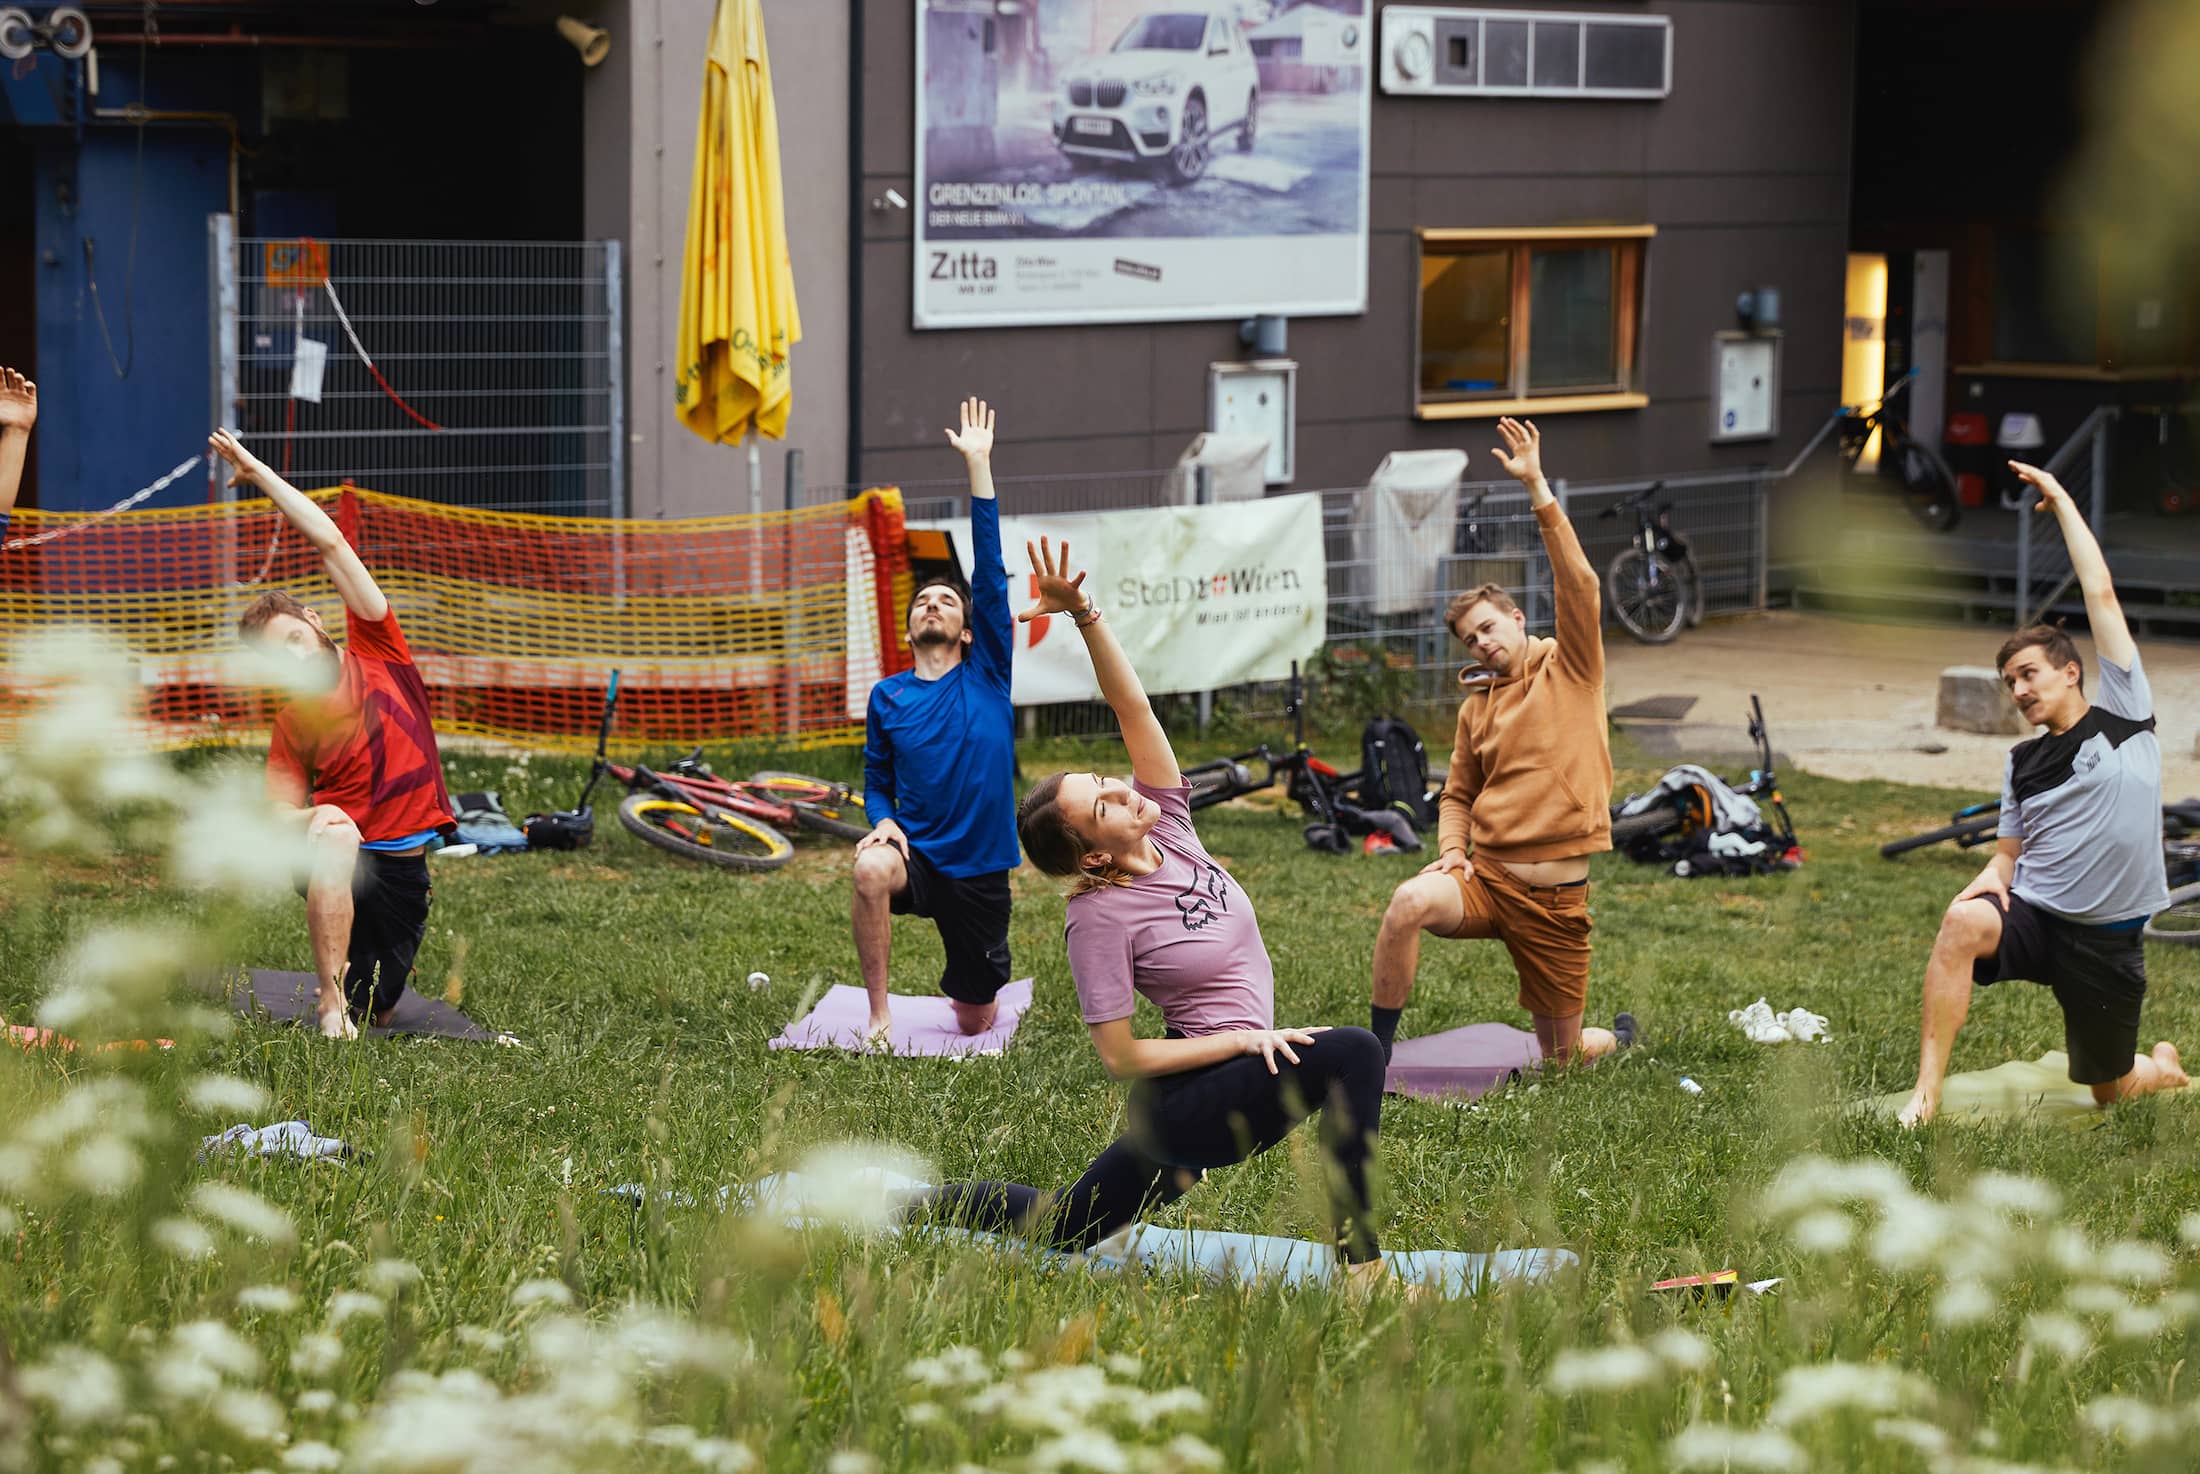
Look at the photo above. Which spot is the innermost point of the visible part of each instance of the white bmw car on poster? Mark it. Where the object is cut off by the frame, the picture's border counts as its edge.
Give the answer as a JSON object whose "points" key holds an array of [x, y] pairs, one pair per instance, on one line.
{"points": [[1140, 160], [1174, 83]]}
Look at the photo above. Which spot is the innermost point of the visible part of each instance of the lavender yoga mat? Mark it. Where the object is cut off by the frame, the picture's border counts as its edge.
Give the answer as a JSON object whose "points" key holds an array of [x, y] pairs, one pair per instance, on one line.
{"points": [[1461, 1063], [921, 1025]]}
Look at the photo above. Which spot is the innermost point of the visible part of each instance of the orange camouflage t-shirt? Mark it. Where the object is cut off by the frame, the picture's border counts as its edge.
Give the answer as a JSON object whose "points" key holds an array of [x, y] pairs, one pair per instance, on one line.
{"points": [[367, 747]]}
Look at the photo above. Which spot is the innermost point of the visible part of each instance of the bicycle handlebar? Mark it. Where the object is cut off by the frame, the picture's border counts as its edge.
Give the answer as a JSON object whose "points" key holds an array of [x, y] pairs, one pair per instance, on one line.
{"points": [[1632, 499]]}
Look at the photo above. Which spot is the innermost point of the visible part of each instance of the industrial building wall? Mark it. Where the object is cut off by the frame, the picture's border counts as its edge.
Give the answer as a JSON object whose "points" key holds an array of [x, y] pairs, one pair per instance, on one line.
{"points": [[639, 155], [1744, 170]]}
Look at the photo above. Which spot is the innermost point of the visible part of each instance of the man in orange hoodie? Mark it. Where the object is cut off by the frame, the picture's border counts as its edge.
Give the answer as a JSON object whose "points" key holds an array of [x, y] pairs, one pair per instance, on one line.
{"points": [[1529, 792]]}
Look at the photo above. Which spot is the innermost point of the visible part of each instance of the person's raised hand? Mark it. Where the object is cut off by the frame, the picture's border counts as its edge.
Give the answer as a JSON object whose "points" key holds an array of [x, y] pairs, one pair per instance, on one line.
{"points": [[1268, 1043], [975, 438], [1525, 444], [18, 401], [244, 463], [1058, 592], [2051, 491], [1448, 862]]}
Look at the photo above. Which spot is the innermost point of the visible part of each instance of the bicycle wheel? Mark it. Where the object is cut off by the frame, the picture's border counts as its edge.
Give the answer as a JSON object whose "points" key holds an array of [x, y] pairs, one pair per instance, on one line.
{"points": [[1928, 487], [827, 807], [1213, 783], [1628, 828], [2178, 925], [1983, 824], [1694, 580], [1647, 595], [717, 837]]}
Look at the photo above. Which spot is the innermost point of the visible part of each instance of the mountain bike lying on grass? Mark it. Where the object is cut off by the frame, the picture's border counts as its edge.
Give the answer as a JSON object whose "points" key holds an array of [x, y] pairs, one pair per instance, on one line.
{"points": [[1701, 825], [691, 812], [2178, 924], [1323, 792]]}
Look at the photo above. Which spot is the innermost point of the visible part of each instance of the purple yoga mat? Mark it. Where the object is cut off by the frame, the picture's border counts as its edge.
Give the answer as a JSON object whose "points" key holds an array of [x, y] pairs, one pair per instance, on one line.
{"points": [[921, 1025], [1461, 1063]]}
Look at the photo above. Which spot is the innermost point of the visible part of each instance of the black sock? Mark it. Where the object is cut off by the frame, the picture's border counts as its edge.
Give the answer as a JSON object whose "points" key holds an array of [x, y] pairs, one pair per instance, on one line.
{"points": [[1383, 1023]]}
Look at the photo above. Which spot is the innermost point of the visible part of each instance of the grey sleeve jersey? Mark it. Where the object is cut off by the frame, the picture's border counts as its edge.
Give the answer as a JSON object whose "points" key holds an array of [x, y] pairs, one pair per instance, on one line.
{"points": [[2088, 805]]}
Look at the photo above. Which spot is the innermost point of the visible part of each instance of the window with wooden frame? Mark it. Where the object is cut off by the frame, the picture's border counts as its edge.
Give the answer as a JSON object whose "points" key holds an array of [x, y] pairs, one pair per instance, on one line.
{"points": [[1529, 322]]}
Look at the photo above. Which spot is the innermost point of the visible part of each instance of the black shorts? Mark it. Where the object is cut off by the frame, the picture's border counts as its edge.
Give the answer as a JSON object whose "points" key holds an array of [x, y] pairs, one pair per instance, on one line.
{"points": [[971, 912], [390, 895], [2098, 974]]}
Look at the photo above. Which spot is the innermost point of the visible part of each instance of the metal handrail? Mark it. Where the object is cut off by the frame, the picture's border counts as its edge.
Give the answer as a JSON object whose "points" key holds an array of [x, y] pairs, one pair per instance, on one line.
{"points": [[2090, 436]]}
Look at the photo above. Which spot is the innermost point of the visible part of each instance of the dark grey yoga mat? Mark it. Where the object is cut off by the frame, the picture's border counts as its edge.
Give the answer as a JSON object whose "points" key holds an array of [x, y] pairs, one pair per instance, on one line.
{"points": [[1461, 1063], [288, 998]]}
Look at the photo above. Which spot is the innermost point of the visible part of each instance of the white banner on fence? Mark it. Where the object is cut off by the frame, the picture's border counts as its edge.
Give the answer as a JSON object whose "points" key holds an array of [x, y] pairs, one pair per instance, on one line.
{"points": [[1199, 597], [1139, 160]]}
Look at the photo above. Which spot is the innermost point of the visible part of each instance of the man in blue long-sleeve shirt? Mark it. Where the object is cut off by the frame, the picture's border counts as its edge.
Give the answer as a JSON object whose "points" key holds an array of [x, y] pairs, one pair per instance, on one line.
{"points": [[939, 753]]}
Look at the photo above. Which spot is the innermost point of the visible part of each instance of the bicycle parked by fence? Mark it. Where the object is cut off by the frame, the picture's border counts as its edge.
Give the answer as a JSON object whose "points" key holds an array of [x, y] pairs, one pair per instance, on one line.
{"points": [[1653, 583], [2178, 924]]}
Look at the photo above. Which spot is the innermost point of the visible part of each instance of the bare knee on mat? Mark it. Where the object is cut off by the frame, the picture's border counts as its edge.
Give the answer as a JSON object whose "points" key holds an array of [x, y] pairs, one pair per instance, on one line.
{"points": [[1969, 929], [975, 1018], [1420, 906], [878, 873]]}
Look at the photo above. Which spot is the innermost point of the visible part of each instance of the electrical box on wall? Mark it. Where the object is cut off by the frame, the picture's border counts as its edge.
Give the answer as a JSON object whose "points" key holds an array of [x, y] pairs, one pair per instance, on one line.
{"points": [[1448, 50], [1258, 398], [1745, 402]]}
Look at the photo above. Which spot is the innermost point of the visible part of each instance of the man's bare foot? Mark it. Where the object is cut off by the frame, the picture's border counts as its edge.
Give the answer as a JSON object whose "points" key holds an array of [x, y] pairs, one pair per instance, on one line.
{"points": [[1374, 1277], [1922, 1105], [2172, 1068], [336, 1024], [879, 1031]]}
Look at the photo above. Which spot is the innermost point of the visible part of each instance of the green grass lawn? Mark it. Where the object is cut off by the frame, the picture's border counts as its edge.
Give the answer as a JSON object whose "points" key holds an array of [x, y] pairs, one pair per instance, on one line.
{"points": [[645, 1061]]}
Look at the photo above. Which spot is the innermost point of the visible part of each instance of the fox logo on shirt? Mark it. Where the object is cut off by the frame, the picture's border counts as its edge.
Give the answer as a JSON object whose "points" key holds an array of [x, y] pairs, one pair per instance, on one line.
{"points": [[1205, 898]]}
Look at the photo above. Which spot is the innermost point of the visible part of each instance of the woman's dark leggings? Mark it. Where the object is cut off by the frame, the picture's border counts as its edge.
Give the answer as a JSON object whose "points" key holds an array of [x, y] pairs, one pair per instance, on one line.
{"points": [[1211, 1117]]}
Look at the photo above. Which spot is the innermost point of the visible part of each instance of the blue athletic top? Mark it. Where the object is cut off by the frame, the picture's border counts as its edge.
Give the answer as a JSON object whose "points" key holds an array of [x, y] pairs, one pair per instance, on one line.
{"points": [[939, 757], [402, 842]]}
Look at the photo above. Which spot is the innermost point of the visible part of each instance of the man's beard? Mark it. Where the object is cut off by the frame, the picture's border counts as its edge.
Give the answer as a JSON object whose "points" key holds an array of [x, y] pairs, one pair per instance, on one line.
{"points": [[930, 635]]}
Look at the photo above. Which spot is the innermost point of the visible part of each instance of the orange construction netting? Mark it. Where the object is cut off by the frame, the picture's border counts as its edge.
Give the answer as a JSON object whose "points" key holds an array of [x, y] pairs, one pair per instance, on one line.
{"points": [[767, 627]]}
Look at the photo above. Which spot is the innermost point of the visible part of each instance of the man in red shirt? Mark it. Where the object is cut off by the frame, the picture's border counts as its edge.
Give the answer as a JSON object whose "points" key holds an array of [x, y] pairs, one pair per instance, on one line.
{"points": [[354, 760]]}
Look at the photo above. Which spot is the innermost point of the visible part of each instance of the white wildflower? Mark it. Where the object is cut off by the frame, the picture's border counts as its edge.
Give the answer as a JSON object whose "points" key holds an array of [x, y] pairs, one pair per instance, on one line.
{"points": [[1015, 1359], [1122, 1364], [1081, 1448], [2133, 1421], [312, 1457], [922, 1414], [2188, 1230], [2145, 1322], [1929, 1439], [244, 1210], [316, 1356], [1187, 1452], [388, 1276], [1711, 1446], [2026, 1197], [106, 1166], [252, 1415], [541, 1292], [183, 1238], [2133, 1263], [115, 970], [80, 1386], [1148, 1408], [224, 1095], [347, 1305], [238, 844], [268, 1299], [1683, 1351], [314, 1401], [2095, 1299], [1809, 1182], [957, 1366], [1807, 1391], [480, 1338], [1963, 1302], [1823, 1231], [851, 1461], [1911, 1233], [219, 1347], [1602, 1369], [721, 1455], [857, 1185], [2056, 1335]]}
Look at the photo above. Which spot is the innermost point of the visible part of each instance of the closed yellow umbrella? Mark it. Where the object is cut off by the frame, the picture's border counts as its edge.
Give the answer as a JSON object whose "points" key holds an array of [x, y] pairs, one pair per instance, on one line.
{"points": [[737, 312]]}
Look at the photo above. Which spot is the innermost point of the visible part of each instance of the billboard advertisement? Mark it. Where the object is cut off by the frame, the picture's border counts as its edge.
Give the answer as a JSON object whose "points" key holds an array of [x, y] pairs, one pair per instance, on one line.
{"points": [[1140, 160], [1199, 597]]}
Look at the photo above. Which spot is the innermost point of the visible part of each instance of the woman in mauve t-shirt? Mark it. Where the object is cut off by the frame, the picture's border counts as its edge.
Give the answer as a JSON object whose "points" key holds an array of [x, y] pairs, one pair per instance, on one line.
{"points": [[1153, 914]]}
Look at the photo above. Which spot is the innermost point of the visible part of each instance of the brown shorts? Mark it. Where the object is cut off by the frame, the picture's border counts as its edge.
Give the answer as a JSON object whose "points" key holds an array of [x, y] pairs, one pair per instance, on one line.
{"points": [[1544, 927]]}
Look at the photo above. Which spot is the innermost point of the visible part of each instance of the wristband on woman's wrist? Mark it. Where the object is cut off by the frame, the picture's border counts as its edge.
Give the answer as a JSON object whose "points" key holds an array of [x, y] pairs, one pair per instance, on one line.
{"points": [[1082, 617]]}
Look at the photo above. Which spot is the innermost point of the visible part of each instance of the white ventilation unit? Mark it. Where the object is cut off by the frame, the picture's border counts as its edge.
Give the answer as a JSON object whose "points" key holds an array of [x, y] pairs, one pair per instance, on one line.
{"points": [[1441, 51]]}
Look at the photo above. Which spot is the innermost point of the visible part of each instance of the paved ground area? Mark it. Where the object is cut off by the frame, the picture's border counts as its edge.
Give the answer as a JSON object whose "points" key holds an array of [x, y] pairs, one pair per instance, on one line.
{"points": [[1854, 700]]}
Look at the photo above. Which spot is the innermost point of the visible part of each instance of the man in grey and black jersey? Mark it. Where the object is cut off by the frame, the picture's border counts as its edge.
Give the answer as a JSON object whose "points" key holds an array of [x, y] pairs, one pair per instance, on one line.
{"points": [[2078, 869]]}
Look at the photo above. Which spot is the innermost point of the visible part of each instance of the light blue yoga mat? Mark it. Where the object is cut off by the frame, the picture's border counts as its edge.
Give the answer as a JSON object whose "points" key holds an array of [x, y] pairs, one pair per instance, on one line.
{"points": [[1241, 1257]]}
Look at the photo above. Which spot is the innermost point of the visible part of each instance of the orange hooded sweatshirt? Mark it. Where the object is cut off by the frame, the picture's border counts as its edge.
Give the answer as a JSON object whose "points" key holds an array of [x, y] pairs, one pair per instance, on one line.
{"points": [[1531, 771]]}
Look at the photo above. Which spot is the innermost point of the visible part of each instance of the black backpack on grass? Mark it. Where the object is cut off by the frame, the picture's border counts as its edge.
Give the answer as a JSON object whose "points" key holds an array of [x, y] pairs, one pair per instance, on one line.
{"points": [[1394, 771]]}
